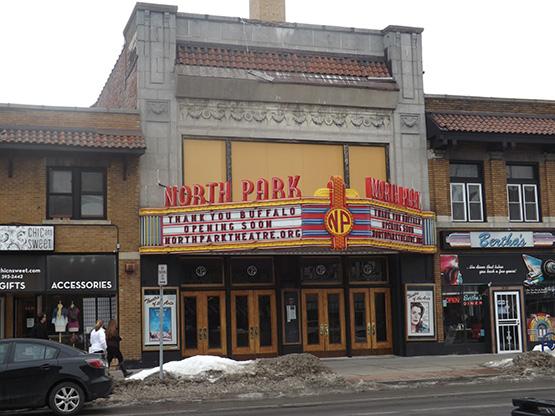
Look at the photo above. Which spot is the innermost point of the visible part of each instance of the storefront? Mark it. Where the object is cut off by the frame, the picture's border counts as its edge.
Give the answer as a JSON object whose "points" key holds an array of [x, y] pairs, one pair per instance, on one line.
{"points": [[320, 274], [74, 290], [499, 295]]}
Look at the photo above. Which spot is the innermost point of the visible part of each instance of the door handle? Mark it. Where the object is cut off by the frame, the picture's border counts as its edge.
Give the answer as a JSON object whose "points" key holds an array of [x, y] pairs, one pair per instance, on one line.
{"points": [[205, 333], [45, 367], [322, 330], [373, 328], [256, 331], [326, 330], [251, 332], [369, 329]]}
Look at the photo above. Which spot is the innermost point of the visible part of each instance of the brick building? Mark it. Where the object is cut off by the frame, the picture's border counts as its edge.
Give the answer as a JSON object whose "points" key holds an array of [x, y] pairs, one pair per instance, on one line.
{"points": [[69, 236], [492, 186], [244, 114]]}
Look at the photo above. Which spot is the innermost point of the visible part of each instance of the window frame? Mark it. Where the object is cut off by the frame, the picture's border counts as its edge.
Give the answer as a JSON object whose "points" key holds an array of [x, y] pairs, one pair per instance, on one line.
{"points": [[521, 184], [466, 183], [77, 192]]}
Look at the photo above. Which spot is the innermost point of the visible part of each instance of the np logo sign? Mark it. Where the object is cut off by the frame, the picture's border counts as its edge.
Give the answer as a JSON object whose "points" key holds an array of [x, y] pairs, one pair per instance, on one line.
{"points": [[338, 221]]}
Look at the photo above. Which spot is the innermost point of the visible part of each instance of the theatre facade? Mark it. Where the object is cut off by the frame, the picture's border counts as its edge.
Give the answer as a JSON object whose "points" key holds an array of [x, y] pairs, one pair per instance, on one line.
{"points": [[250, 125], [281, 271]]}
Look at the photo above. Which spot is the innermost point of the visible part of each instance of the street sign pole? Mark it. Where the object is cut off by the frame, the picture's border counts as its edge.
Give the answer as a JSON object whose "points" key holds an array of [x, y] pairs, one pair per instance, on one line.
{"points": [[161, 335], [162, 281]]}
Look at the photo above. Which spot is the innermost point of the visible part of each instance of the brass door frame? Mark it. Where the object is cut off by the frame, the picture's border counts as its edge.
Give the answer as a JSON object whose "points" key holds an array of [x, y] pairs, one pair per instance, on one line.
{"points": [[370, 313], [202, 323], [254, 322], [323, 320]]}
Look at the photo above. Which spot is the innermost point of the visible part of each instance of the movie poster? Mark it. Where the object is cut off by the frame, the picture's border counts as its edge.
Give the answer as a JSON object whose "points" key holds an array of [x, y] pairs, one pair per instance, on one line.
{"points": [[151, 316], [420, 311]]}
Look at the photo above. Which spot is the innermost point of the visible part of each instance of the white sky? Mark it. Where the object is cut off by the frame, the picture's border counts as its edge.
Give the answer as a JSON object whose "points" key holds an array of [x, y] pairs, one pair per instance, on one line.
{"points": [[60, 52]]}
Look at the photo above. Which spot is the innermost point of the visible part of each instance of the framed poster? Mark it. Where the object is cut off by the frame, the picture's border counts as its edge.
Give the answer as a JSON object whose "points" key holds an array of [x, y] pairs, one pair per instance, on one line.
{"points": [[151, 317], [420, 312]]}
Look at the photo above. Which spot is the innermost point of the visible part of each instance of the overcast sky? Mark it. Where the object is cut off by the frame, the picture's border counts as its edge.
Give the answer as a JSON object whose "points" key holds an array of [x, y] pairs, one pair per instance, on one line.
{"points": [[60, 52]]}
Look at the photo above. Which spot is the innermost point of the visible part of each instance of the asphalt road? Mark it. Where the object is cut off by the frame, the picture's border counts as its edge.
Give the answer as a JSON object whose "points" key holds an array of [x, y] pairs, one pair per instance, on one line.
{"points": [[492, 399]]}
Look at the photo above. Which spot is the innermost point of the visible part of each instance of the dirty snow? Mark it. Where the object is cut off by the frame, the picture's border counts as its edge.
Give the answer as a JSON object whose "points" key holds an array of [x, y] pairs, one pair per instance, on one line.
{"points": [[196, 365], [504, 363]]}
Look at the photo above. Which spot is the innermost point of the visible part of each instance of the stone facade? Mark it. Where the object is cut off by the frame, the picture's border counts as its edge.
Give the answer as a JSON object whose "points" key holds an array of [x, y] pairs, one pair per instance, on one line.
{"points": [[175, 101]]}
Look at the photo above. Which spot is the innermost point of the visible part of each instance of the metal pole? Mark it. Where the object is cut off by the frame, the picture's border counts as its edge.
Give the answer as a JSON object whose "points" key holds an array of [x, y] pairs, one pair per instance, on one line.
{"points": [[161, 335]]}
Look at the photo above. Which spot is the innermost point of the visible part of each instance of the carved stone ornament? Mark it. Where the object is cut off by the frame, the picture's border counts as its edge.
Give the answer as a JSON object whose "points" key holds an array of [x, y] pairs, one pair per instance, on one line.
{"points": [[409, 121], [157, 110], [273, 115]]}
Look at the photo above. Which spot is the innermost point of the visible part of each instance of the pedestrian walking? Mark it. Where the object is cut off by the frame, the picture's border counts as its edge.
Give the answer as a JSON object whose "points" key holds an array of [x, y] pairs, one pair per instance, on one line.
{"points": [[40, 329], [98, 339], [113, 341]]}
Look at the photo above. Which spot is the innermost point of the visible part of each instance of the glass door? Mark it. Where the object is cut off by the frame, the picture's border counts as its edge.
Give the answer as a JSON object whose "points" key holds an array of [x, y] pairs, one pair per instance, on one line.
{"points": [[507, 321], [253, 322], [323, 320], [371, 319], [204, 323]]}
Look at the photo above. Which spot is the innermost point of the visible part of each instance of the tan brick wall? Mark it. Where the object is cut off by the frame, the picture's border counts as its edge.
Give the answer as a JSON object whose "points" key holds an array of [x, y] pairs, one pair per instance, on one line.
{"points": [[440, 198], [544, 190], [23, 196], [23, 200], [549, 189], [129, 306], [86, 119], [438, 300], [497, 180], [268, 10]]}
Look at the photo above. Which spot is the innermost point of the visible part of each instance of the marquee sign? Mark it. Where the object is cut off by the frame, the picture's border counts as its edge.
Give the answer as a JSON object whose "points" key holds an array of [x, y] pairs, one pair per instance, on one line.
{"points": [[334, 217]]}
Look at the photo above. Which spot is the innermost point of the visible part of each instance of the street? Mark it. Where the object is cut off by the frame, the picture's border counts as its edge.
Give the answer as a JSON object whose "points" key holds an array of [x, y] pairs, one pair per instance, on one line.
{"points": [[456, 400]]}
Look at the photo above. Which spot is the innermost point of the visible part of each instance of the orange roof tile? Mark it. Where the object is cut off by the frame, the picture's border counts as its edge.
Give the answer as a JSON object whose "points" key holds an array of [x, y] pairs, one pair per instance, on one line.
{"points": [[493, 123], [281, 61], [77, 138]]}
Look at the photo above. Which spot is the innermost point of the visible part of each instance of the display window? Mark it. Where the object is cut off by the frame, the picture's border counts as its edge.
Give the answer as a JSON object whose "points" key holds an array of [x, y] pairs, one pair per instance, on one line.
{"points": [[465, 313], [71, 318], [540, 312]]}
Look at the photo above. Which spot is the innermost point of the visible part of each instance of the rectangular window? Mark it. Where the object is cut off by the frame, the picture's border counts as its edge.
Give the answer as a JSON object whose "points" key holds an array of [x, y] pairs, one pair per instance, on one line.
{"points": [[522, 193], [76, 193], [466, 192]]}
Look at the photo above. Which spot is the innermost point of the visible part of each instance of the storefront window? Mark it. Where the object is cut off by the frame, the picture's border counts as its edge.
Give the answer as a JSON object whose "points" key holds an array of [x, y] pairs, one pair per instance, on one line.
{"points": [[71, 318], [464, 313], [540, 311]]}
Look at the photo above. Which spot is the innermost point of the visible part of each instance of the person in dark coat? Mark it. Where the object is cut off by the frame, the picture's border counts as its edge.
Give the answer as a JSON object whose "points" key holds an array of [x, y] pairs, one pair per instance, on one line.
{"points": [[113, 340], [40, 330]]}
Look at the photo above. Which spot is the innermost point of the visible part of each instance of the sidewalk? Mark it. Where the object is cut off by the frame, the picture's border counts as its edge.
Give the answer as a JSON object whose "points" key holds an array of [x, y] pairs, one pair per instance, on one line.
{"points": [[394, 369]]}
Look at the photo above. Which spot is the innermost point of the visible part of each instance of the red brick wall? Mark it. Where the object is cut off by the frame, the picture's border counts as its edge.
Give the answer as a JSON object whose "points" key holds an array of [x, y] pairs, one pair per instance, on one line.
{"points": [[120, 90]]}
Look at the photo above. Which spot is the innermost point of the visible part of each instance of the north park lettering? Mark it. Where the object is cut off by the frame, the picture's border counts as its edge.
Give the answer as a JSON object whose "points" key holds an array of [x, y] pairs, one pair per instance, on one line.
{"points": [[232, 226]]}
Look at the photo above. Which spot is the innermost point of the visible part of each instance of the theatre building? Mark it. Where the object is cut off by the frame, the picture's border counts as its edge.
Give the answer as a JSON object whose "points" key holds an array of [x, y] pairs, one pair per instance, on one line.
{"points": [[492, 186], [284, 184], [68, 219]]}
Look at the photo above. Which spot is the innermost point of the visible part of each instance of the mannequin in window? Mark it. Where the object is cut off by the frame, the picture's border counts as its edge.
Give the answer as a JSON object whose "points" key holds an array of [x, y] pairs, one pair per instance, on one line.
{"points": [[59, 317], [73, 318]]}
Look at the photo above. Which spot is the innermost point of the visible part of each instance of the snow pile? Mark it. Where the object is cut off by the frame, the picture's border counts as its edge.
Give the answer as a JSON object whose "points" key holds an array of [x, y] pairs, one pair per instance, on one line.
{"points": [[194, 366], [504, 363]]}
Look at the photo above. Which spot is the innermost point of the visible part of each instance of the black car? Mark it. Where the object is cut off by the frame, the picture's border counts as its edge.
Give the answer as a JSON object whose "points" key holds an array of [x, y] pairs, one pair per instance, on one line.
{"points": [[531, 407], [36, 373]]}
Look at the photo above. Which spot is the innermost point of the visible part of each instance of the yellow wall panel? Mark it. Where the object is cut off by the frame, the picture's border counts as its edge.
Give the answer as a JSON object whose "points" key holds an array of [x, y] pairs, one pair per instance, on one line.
{"points": [[366, 161], [203, 161], [315, 163]]}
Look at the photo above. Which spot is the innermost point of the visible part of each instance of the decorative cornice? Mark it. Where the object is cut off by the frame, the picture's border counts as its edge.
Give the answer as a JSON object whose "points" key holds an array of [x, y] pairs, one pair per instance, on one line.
{"points": [[280, 115]]}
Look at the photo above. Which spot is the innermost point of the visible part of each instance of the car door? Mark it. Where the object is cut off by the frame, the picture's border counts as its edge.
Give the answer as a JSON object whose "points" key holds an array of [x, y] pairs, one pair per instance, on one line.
{"points": [[4, 355], [30, 373]]}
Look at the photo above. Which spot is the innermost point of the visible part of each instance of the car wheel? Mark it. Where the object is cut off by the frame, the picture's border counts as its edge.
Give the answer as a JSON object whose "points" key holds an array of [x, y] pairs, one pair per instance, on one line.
{"points": [[66, 399]]}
